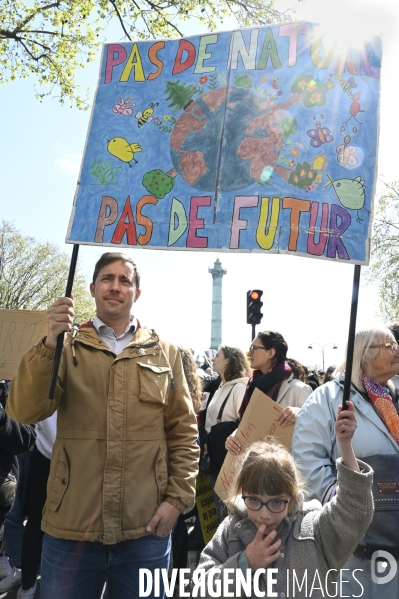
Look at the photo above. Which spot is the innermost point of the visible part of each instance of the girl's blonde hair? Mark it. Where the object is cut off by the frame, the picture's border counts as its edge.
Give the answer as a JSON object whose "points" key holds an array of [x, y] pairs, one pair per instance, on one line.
{"points": [[267, 468]]}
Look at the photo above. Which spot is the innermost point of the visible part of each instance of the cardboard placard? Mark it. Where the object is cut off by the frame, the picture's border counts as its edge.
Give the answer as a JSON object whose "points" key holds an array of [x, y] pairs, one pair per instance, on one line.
{"points": [[259, 422], [206, 507], [19, 330]]}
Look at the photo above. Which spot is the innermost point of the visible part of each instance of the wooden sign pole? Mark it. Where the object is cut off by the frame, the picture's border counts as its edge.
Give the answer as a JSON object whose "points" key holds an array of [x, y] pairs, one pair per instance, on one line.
{"points": [[60, 338], [351, 336]]}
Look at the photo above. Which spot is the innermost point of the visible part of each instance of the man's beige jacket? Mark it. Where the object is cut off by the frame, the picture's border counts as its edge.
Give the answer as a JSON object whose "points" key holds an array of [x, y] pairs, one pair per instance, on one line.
{"points": [[126, 435]]}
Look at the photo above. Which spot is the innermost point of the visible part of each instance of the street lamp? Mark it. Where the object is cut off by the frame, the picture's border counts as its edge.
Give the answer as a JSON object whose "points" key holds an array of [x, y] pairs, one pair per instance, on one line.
{"points": [[322, 348]]}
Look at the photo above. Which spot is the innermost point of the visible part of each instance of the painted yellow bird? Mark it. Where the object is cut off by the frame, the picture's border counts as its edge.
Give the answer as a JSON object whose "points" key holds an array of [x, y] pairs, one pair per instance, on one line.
{"points": [[123, 150]]}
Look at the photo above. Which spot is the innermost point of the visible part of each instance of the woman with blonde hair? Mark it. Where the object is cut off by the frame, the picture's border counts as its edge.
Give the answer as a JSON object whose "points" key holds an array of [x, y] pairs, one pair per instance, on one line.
{"points": [[314, 446]]}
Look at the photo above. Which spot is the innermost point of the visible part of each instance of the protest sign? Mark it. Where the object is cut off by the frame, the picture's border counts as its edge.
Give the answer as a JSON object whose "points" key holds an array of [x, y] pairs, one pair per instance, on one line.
{"points": [[206, 507], [259, 422], [261, 139], [19, 329]]}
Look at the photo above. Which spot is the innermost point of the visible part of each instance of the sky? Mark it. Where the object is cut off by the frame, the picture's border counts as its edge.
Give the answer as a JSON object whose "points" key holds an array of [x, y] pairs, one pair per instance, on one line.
{"points": [[307, 300]]}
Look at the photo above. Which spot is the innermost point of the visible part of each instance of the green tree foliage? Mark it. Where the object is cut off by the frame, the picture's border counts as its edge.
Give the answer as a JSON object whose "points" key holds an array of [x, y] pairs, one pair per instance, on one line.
{"points": [[180, 94], [384, 268], [34, 273], [52, 40]]}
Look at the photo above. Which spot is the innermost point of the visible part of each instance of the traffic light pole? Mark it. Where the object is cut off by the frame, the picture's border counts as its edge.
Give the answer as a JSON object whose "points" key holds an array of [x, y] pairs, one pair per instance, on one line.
{"points": [[253, 326]]}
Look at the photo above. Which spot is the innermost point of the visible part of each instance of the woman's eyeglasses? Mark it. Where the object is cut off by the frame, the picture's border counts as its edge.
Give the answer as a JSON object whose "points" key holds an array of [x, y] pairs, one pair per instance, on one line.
{"points": [[276, 506], [252, 348], [394, 347]]}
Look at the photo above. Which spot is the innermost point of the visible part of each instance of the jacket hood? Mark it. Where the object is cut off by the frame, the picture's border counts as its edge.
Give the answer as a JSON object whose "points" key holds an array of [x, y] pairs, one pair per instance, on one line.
{"points": [[243, 379]]}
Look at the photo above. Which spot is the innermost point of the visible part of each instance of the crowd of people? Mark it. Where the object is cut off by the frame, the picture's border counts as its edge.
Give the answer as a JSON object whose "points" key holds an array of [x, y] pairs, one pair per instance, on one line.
{"points": [[107, 468]]}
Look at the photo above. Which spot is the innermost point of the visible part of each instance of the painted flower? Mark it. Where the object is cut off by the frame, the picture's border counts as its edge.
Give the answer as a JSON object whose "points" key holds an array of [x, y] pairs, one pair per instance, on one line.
{"points": [[315, 98], [291, 163], [319, 162], [166, 117], [156, 120], [203, 79], [302, 84], [264, 79], [311, 85], [280, 92], [295, 152], [319, 178]]}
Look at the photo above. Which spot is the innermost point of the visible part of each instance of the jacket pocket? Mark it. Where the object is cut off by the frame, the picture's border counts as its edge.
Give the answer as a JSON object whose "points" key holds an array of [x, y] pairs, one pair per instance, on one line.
{"points": [[61, 482], [154, 383], [161, 473]]}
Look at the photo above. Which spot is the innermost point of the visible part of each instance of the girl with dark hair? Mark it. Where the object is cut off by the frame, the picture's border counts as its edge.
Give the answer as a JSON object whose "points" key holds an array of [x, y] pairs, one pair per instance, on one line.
{"points": [[273, 376]]}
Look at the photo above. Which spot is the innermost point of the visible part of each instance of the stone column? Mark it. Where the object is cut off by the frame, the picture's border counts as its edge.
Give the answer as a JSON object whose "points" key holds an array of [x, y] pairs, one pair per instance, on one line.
{"points": [[217, 273]]}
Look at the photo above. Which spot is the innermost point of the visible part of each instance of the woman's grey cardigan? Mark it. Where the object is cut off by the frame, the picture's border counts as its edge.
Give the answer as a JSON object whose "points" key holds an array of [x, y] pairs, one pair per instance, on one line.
{"points": [[314, 539]]}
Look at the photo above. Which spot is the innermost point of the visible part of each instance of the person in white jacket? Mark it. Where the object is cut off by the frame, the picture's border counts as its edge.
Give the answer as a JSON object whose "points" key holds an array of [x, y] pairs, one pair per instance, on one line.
{"points": [[233, 367]]}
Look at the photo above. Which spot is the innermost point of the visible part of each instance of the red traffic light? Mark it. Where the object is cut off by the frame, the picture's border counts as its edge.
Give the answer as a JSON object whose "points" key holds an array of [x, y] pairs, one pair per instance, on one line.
{"points": [[254, 306]]}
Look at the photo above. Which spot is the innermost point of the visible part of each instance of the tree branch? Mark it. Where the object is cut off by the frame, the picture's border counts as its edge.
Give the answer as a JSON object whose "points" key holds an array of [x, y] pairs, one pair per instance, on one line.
{"points": [[120, 19]]}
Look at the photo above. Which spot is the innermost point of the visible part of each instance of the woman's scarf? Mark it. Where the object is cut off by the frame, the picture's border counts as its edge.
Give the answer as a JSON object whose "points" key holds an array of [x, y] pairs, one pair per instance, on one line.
{"points": [[268, 383], [383, 405]]}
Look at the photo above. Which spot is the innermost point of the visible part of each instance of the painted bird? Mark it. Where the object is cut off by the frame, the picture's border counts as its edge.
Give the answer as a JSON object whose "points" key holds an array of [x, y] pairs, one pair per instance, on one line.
{"points": [[123, 150], [350, 192]]}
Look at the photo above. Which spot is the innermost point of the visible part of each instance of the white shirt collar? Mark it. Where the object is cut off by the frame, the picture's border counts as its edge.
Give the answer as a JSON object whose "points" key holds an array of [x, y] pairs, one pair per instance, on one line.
{"points": [[101, 327]]}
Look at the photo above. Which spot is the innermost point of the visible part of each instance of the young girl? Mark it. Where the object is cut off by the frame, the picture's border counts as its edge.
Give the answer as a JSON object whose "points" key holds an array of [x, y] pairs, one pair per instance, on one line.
{"points": [[270, 526]]}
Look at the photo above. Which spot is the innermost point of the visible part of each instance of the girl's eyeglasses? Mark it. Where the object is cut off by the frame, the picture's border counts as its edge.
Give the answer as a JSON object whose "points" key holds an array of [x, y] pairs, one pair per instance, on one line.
{"points": [[276, 506]]}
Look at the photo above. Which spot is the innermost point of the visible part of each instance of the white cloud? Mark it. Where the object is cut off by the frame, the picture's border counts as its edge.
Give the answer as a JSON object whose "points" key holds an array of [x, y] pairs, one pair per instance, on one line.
{"points": [[69, 163]]}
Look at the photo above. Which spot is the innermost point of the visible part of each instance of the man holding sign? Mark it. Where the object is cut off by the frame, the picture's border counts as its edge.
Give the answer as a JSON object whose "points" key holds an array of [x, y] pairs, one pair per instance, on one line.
{"points": [[125, 459]]}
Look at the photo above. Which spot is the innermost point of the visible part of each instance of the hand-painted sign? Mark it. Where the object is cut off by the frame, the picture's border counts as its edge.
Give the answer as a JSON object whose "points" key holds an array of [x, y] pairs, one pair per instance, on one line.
{"points": [[261, 139], [19, 330], [206, 507]]}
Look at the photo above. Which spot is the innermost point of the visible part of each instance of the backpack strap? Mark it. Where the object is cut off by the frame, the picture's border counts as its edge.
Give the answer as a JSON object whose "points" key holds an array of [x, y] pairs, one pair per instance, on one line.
{"points": [[219, 418]]}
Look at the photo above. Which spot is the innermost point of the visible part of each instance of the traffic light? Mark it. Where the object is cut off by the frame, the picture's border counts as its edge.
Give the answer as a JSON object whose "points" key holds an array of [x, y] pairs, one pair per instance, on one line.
{"points": [[254, 306]]}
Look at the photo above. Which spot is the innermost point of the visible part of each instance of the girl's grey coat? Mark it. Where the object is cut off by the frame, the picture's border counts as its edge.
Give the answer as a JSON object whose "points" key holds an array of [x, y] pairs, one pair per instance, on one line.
{"points": [[313, 541]]}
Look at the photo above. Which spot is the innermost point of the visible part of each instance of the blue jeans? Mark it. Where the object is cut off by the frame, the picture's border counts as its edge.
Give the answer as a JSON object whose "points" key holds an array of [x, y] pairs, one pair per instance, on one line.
{"points": [[14, 524], [79, 569]]}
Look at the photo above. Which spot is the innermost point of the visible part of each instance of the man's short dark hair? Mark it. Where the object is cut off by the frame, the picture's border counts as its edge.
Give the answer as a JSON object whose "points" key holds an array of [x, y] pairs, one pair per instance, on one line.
{"points": [[110, 257]]}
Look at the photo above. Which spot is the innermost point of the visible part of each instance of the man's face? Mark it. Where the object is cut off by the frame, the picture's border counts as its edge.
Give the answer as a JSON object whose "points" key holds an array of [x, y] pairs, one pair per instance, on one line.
{"points": [[115, 291]]}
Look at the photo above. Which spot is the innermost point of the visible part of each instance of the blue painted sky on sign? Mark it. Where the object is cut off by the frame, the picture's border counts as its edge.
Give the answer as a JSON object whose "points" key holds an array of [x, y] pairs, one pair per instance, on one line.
{"points": [[262, 139]]}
